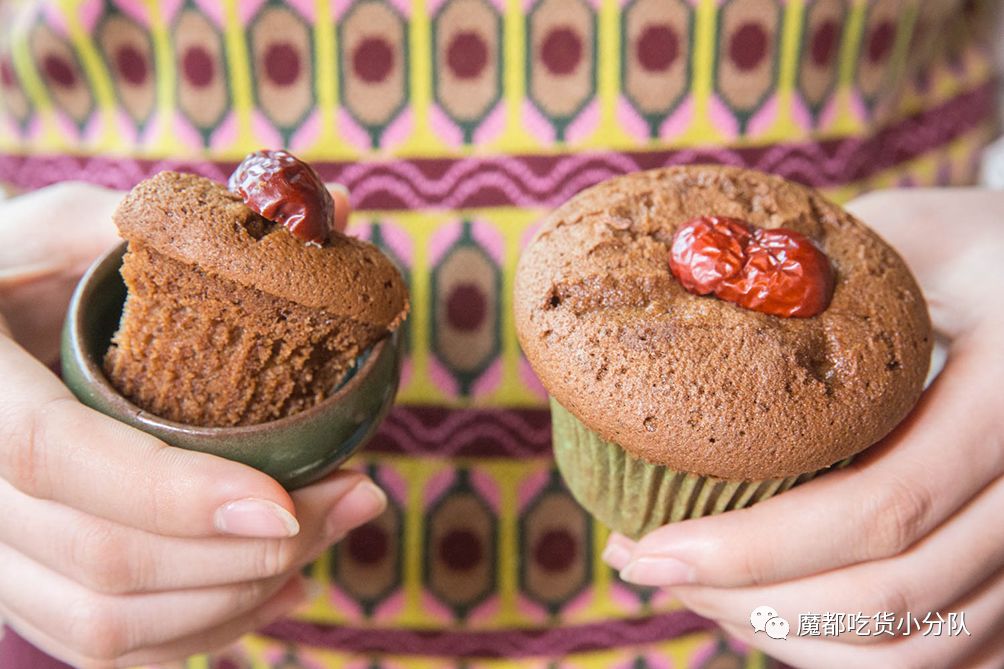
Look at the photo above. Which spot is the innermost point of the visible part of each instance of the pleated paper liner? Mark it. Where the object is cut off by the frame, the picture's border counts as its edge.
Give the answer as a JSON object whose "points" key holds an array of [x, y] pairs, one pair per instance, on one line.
{"points": [[634, 497]]}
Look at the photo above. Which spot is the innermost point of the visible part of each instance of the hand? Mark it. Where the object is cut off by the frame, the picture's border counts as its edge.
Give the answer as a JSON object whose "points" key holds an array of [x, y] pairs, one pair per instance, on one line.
{"points": [[913, 525], [47, 239], [116, 549]]}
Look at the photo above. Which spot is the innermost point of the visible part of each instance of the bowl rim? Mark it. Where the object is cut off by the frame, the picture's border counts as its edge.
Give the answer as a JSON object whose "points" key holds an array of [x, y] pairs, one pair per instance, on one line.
{"points": [[95, 377]]}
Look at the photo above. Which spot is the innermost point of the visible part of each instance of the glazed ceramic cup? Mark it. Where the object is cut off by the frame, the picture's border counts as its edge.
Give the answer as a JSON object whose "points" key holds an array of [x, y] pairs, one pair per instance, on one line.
{"points": [[295, 451]]}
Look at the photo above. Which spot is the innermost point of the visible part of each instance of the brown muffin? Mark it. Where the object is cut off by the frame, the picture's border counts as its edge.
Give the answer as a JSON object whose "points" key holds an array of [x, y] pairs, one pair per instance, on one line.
{"points": [[231, 320], [700, 385]]}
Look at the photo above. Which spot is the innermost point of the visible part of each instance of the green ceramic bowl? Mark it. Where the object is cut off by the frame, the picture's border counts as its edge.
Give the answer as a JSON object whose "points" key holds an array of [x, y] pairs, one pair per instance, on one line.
{"points": [[295, 450]]}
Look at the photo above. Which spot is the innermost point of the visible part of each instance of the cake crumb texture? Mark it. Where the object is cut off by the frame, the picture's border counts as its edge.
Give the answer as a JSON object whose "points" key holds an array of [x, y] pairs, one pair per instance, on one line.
{"points": [[229, 320]]}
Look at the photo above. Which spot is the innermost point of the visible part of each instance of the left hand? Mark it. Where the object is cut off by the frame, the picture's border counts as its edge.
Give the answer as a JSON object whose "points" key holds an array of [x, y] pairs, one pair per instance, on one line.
{"points": [[913, 525]]}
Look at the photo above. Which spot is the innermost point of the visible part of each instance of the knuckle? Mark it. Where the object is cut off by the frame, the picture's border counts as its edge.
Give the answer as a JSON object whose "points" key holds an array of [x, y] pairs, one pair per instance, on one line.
{"points": [[901, 517], [23, 449], [273, 557], [251, 595], [160, 500], [103, 558], [27, 440], [888, 597], [164, 499], [756, 566], [758, 560], [95, 628]]}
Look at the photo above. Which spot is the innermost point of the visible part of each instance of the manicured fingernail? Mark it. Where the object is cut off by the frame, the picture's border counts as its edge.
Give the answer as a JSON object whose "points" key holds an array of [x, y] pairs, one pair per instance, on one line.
{"points": [[658, 571], [361, 504], [257, 518], [368, 500], [616, 556], [341, 188]]}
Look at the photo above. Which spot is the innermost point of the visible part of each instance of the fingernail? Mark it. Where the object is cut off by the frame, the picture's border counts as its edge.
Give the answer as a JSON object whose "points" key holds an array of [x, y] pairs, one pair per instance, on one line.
{"points": [[658, 571], [257, 518], [363, 503], [341, 188], [616, 556]]}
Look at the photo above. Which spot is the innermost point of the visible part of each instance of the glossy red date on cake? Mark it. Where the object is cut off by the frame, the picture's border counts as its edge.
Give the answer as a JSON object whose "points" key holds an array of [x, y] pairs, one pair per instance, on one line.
{"points": [[284, 189], [778, 272]]}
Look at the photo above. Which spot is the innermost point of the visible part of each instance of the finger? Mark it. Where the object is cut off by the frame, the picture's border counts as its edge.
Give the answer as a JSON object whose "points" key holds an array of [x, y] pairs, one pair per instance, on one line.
{"points": [[290, 595], [41, 258], [618, 551], [343, 207], [983, 614], [34, 236], [944, 270], [989, 655], [114, 559], [108, 625], [52, 447], [294, 594], [944, 568], [877, 507]]}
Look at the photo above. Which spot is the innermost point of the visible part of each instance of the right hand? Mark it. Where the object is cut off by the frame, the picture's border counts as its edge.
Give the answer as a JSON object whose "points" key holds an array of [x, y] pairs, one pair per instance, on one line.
{"points": [[115, 548]]}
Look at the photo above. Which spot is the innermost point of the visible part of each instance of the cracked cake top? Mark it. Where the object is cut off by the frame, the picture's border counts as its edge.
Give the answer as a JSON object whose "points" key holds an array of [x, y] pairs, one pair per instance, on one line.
{"points": [[199, 222], [700, 384]]}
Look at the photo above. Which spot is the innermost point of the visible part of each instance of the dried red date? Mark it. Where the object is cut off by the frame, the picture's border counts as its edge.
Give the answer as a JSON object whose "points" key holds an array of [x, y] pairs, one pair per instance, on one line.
{"points": [[778, 272], [286, 190]]}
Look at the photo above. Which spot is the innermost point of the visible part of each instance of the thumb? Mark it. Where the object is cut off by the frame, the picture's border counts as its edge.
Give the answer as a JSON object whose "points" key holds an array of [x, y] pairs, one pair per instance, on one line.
{"points": [[339, 503], [343, 207]]}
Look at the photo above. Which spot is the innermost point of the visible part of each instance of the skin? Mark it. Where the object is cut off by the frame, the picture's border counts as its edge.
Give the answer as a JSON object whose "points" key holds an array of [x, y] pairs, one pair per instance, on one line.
{"points": [[114, 550], [913, 525]]}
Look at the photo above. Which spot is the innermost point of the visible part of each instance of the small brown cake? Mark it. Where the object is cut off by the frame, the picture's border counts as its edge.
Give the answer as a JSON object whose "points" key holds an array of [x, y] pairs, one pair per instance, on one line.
{"points": [[663, 381], [232, 320]]}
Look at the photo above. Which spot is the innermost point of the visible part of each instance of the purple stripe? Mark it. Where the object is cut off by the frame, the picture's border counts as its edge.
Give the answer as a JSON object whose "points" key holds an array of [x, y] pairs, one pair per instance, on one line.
{"points": [[442, 432], [16, 653], [546, 180], [511, 643]]}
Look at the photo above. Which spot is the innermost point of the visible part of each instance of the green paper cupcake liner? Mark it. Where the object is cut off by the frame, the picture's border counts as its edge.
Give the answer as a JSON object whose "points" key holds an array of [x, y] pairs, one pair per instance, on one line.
{"points": [[634, 497]]}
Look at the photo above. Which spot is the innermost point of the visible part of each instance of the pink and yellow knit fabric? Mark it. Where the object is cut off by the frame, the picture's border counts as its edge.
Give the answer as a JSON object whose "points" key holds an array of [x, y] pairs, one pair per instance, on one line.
{"points": [[456, 124]]}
